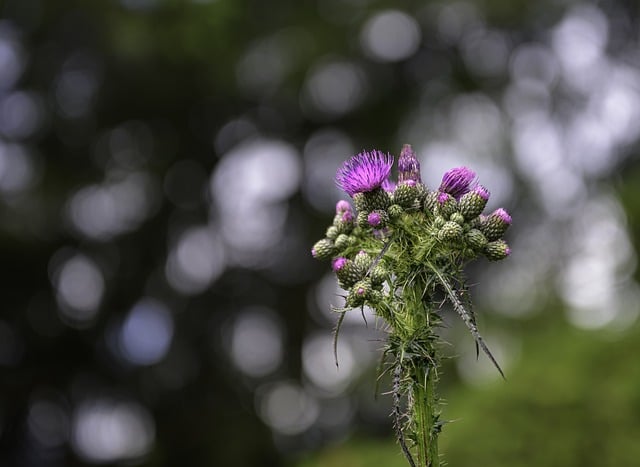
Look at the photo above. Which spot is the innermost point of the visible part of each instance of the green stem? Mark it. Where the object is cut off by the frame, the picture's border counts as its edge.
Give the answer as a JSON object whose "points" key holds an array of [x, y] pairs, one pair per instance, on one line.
{"points": [[425, 415], [415, 329]]}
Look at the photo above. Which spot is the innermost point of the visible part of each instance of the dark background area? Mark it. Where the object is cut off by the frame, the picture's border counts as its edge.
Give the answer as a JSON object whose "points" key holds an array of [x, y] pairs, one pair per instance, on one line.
{"points": [[166, 165]]}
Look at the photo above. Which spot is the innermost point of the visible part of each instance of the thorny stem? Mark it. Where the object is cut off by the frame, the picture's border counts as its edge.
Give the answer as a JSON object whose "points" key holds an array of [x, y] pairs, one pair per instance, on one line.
{"points": [[425, 415], [417, 357]]}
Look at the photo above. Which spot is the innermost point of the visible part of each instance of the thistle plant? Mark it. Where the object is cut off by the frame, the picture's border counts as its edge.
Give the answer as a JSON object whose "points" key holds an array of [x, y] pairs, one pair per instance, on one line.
{"points": [[401, 252]]}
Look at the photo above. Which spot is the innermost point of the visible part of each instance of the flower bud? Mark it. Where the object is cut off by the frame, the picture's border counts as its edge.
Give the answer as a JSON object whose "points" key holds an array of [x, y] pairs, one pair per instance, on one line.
{"points": [[450, 231], [394, 211], [497, 250], [496, 224], [476, 239], [456, 181], [360, 202], [472, 203], [408, 165], [342, 206], [342, 242], [446, 205], [323, 249], [457, 218], [378, 219], [363, 260], [344, 222], [359, 293], [347, 271], [332, 232], [376, 199], [363, 219], [439, 221], [378, 275], [430, 202], [406, 194]]}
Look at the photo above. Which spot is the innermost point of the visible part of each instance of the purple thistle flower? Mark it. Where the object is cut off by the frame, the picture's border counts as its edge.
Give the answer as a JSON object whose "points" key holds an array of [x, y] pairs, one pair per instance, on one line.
{"points": [[502, 215], [443, 198], [456, 181], [374, 219], [338, 263], [408, 165], [388, 185], [364, 172], [481, 191], [361, 291], [347, 216], [314, 253], [342, 206]]}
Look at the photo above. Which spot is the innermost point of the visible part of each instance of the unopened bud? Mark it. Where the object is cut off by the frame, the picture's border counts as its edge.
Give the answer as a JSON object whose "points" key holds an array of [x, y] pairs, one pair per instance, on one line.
{"points": [[446, 205], [323, 249], [471, 204], [377, 219], [347, 271], [408, 165], [406, 193], [476, 239], [342, 242], [450, 231], [497, 250], [495, 225]]}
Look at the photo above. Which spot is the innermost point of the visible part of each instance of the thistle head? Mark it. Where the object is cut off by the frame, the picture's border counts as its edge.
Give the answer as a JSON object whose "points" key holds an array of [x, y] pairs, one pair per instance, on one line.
{"points": [[323, 249], [503, 215], [342, 206], [457, 181], [408, 166], [497, 250], [374, 219], [364, 172], [495, 224], [473, 202], [388, 185], [338, 263]]}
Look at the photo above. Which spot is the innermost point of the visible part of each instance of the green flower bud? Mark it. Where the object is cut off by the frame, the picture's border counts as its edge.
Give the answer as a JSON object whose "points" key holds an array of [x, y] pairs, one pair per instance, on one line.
{"points": [[378, 275], [359, 293], [406, 194], [439, 221], [363, 219], [446, 205], [347, 271], [363, 260], [342, 242], [377, 199], [472, 203], [450, 231], [344, 222], [323, 249], [430, 202], [497, 250], [457, 218], [495, 225], [395, 211], [476, 239], [360, 202], [332, 232]]}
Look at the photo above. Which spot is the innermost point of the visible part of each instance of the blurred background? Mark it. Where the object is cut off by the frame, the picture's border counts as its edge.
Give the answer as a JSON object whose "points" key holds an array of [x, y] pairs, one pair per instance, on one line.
{"points": [[166, 165]]}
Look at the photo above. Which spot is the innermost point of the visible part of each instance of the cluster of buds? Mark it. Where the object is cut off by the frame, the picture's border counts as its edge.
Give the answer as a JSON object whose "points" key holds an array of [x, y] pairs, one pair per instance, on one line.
{"points": [[452, 214]]}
